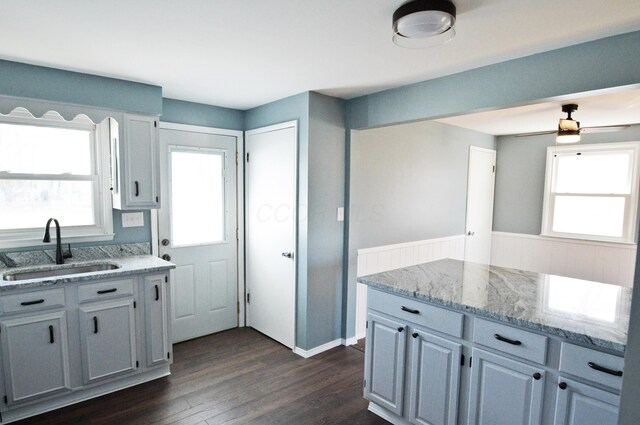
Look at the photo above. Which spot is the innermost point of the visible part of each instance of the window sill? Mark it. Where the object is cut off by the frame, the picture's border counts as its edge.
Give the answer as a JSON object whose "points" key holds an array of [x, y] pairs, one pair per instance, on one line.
{"points": [[37, 242], [587, 239]]}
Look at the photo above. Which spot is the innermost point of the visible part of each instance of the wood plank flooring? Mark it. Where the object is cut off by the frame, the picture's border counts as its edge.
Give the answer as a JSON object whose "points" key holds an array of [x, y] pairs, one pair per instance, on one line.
{"points": [[236, 377]]}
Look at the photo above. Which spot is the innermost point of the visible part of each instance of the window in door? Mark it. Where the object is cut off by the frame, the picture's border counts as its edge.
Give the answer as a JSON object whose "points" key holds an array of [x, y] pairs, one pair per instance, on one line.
{"points": [[591, 192], [50, 167], [197, 185]]}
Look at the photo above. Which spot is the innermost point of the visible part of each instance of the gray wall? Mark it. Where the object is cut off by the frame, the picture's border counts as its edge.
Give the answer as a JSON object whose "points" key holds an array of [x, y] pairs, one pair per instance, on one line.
{"points": [[520, 176], [182, 112]]}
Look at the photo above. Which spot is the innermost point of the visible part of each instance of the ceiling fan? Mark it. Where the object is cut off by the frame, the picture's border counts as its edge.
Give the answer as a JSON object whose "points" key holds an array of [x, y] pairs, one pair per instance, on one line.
{"points": [[569, 130]]}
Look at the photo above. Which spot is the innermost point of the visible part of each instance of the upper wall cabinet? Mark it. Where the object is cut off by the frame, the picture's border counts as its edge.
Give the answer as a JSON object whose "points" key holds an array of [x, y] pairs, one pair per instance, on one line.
{"points": [[134, 163]]}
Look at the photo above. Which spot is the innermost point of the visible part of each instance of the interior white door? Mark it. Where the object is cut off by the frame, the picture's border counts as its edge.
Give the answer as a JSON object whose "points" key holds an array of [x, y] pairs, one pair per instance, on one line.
{"points": [[480, 191], [197, 228], [270, 172]]}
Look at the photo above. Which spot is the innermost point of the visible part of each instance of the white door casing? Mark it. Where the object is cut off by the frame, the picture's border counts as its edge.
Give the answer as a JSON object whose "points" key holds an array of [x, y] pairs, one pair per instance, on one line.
{"points": [[271, 216], [480, 192], [205, 289]]}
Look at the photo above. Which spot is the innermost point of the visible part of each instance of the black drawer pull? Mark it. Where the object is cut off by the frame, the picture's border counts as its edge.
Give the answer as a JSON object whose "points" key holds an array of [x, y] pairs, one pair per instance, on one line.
{"points": [[95, 324], [599, 368], [537, 376], [400, 329], [157, 293], [40, 301], [563, 385], [507, 340], [415, 334], [107, 291], [137, 188], [409, 310], [51, 334]]}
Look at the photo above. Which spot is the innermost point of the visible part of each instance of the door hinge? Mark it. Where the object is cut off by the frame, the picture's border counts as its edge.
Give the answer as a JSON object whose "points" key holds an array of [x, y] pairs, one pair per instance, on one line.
{"points": [[248, 298], [461, 359], [157, 200], [236, 157], [6, 401], [237, 234], [135, 305], [155, 123], [247, 156], [166, 279], [494, 169], [168, 355], [137, 364], [366, 325], [470, 361], [364, 383]]}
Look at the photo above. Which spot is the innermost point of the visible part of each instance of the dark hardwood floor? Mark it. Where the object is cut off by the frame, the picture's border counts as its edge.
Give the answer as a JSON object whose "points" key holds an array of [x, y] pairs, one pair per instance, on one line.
{"points": [[236, 377]]}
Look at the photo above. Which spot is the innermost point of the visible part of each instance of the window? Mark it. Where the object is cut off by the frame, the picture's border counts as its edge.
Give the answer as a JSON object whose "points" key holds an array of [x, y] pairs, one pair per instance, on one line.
{"points": [[591, 192], [50, 167]]}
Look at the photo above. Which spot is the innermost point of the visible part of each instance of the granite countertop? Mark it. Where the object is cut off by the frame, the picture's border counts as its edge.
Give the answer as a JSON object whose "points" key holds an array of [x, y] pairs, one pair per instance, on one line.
{"points": [[578, 310], [127, 266]]}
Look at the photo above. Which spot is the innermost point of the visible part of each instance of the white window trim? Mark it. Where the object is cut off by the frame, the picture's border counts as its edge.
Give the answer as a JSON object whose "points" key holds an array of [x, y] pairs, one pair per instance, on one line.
{"points": [[631, 210], [103, 229]]}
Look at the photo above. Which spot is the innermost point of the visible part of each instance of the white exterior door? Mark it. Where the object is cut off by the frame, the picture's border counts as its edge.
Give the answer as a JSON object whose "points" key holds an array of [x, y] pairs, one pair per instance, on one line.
{"points": [[480, 190], [197, 228], [270, 170]]}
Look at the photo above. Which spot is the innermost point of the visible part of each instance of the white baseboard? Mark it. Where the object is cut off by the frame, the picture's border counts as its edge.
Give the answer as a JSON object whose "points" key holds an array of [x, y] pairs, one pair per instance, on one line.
{"points": [[317, 350], [350, 341]]}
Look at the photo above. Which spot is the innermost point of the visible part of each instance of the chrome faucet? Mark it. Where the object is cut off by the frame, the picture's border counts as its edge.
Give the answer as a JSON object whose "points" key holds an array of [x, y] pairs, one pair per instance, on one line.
{"points": [[47, 238]]}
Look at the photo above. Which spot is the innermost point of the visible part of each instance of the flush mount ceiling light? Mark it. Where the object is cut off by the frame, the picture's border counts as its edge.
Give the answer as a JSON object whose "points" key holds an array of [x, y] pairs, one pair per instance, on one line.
{"points": [[424, 23]]}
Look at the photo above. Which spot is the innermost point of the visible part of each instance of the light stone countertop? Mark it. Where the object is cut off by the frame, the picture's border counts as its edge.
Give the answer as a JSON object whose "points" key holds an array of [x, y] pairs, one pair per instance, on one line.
{"points": [[578, 310], [128, 266]]}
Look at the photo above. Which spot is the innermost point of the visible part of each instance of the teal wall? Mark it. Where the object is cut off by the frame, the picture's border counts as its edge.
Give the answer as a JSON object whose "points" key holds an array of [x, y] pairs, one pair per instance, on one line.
{"points": [[182, 112], [520, 177]]}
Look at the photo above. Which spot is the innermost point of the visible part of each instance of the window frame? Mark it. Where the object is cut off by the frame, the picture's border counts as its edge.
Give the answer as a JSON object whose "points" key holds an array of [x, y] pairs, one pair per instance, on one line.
{"points": [[631, 199], [102, 229]]}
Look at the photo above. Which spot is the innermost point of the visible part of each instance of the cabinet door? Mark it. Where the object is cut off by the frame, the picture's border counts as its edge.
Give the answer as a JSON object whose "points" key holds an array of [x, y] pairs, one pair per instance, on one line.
{"points": [[435, 376], [35, 356], [384, 362], [141, 162], [580, 404], [504, 392], [107, 332], [156, 320]]}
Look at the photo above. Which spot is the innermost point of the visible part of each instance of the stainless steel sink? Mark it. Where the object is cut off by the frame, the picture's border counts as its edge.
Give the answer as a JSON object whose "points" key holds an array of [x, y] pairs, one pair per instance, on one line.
{"points": [[58, 271]]}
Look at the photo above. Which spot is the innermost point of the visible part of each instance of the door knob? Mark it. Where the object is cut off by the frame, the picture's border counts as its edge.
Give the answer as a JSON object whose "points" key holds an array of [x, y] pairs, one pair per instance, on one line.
{"points": [[287, 254], [166, 257], [165, 242]]}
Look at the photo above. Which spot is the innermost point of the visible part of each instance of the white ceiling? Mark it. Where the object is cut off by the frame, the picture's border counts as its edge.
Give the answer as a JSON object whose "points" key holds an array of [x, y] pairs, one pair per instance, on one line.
{"points": [[242, 54]]}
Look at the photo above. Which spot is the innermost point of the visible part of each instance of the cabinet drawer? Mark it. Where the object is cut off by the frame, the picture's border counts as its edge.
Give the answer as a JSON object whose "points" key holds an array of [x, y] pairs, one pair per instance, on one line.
{"points": [[593, 365], [436, 318], [510, 340], [31, 301], [105, 290]]}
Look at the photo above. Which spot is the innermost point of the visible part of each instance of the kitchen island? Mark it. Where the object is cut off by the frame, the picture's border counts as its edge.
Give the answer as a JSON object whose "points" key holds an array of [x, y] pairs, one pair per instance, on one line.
{"points": [[457, 342]]}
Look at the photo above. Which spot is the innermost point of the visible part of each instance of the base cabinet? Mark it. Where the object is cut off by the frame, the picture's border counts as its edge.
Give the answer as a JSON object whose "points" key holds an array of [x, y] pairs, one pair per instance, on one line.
{"points": [[435, 376], [35, 356], [156, 302], [108, 339], [504, 391], [581, 404]]}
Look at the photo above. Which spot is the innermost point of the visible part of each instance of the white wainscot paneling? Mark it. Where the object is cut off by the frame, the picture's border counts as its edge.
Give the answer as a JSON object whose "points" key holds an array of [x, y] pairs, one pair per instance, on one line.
{"points": [[388, 257], [589, 260]]}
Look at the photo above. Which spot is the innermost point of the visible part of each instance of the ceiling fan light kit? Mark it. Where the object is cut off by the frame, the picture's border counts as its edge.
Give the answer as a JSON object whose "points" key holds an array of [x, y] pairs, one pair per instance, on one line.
{"points": [[568, 128], [419, 24]]}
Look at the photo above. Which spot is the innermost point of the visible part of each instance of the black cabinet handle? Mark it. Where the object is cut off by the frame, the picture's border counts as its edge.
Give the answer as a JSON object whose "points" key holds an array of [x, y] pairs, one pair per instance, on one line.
{"points": [[415, 334], [400, 329], [157, 293], [507, 340], [599, 368], [95, 324], [40, 301], [51, 334], [409, 310], [137, 187], [563, 385], [537, 376], [107, 291]]}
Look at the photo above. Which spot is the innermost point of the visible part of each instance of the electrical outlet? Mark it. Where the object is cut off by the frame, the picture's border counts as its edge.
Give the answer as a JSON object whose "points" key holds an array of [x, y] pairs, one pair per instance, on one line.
{"points": [[132, 219], [340, 214]]}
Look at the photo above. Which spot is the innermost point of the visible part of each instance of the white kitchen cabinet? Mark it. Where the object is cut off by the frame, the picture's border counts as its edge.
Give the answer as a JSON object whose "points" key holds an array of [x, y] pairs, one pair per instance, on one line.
{"points": [[581, 404], [434, 376], [384, 362], [134, 166], [504, 391], [108, 339], [35, 356], [156, 303]]}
